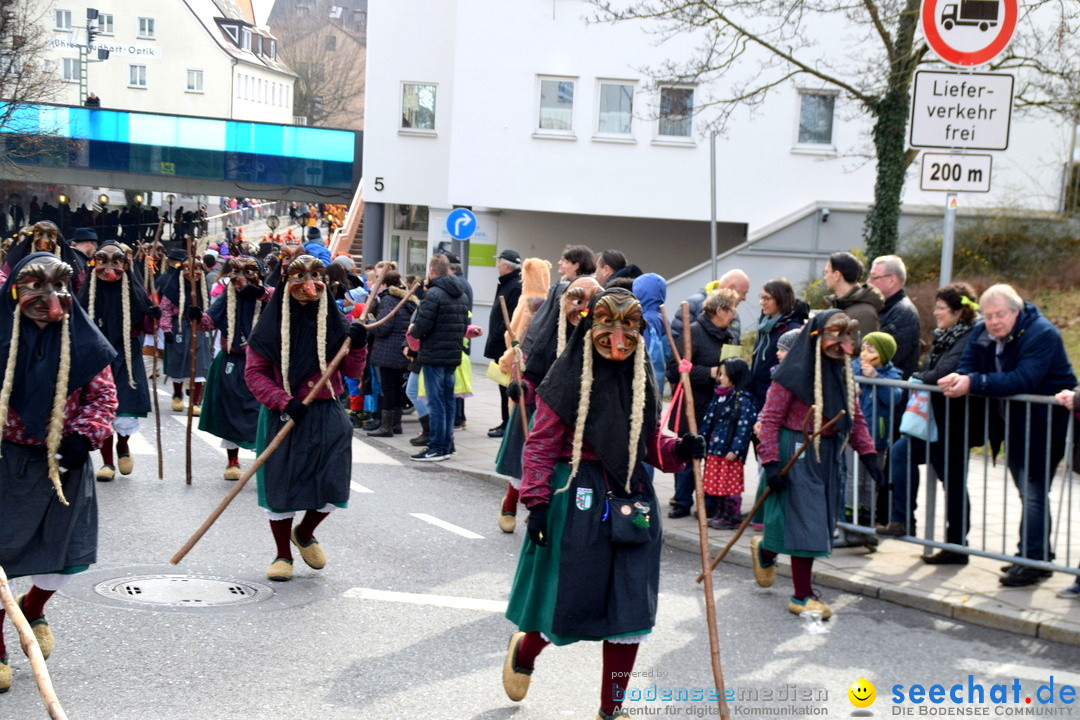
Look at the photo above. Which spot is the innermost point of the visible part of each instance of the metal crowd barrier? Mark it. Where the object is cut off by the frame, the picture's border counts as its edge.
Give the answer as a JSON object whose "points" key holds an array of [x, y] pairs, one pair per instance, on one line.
{"points": [[992, 512]]}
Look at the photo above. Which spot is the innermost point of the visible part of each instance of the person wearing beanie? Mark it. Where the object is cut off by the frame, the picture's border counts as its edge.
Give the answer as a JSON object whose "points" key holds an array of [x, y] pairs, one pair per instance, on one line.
{"points": [[314, 246], [881, 406], [784, 343]]}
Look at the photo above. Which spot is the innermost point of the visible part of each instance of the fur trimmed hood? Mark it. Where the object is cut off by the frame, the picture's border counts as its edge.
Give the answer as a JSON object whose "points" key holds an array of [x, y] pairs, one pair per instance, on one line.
{"points": [[535, 277]]}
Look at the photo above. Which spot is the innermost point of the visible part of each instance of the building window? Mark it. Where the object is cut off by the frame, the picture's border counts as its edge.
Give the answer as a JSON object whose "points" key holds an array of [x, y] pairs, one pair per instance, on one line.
{"points": [[137, 76], [245, 39], [62, 20], [302, 10], [359, 18], [418, 106], [816, 117], [616, 108], [194, 81], [105, 24], [233, 32], [335, 12], [556, 105], [676, 111], [273, 49], [331, 42], [146, 28], [69, 70]]}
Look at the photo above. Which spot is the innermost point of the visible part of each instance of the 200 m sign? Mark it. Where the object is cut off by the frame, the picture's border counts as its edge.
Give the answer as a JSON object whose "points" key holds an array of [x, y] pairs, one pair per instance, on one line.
{"points": [[955, 172]]}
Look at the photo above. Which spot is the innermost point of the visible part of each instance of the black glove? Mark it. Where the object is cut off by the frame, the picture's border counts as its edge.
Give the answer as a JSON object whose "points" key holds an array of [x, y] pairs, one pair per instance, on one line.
{"points": [[154, 312], [170, 338], [357, 334], [74, 451], [538, 524], [296, 410], [773, 478], [250, 292], [870, 462], [513, 390], [690, 447], [193, 312]]}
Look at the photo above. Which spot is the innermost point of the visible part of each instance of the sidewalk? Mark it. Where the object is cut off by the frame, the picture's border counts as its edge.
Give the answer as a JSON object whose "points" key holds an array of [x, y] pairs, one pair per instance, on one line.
{"points": [[894, 573]]}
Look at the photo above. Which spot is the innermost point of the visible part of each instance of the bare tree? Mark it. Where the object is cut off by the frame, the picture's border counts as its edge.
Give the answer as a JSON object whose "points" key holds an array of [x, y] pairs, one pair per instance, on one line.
{"points": [[329, 64], [26, 77], [867, 50]]}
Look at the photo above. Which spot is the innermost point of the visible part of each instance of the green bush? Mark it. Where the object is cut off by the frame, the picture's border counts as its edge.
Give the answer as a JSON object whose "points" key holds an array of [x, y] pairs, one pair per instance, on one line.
{"points": [[1019, 251]]}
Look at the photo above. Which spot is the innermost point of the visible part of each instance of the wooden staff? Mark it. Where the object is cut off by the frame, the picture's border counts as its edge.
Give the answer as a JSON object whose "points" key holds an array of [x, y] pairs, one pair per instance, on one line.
{"points": [[809, 438], [32, 650], [699, 499], [193, 349], [153, 389], [331, 368], [516, 368]]}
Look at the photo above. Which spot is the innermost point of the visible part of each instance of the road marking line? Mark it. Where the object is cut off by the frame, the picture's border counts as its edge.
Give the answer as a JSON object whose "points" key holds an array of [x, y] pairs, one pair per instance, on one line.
{"points": [[447, 526], [357, 487], [448, 601], [364, 453]]}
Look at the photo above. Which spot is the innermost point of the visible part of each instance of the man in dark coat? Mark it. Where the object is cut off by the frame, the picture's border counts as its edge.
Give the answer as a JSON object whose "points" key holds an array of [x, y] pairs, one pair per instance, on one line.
{"points": [[509, 266], [859, 302], [898, 317], [440, 325], [1016, 350]]}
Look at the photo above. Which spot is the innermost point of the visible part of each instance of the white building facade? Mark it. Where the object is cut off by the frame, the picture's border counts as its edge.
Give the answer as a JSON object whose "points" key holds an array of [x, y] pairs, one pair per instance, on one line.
{"points": [[546, 127], [184, 57]]}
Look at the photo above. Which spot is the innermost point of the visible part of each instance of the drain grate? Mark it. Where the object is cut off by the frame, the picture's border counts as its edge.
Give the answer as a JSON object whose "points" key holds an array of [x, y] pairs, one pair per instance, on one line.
{"points": [[183, 590]]}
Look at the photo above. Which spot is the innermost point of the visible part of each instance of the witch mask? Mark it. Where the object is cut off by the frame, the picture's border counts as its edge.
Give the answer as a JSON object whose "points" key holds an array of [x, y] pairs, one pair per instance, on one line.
{"points": [[307, 279], [838, 336], [243, 271], [110, 262], [45, 236], [577, 297], [43, 290], [616, 325]]}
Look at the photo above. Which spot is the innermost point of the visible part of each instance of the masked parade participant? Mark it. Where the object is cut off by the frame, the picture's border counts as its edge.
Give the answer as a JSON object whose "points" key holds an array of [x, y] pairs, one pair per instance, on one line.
{"points": [[44, 236], [57, 404], [118, 306], [548, 345], [298, 333], [230, 411], [590, 566], [813, 385], [177, 313]]}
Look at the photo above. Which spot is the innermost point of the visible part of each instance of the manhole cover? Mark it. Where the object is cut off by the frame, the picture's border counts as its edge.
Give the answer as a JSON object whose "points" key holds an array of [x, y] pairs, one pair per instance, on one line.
{"points": [[183, 590]]}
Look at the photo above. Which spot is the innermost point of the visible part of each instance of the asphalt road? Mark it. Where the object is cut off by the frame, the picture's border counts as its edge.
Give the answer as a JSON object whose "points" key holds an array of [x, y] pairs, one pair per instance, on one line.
{"points": [[405, 621]]}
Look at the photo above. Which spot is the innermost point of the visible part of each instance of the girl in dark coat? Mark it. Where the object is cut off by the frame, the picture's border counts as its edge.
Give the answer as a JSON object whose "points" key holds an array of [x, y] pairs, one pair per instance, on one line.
{"points": [[386, 353], [119, 307], [583, 573]]}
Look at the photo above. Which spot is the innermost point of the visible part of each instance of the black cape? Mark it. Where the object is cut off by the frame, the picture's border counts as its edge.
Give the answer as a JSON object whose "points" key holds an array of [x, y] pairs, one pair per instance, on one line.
{"points": [[607, 427], [39, 354]]}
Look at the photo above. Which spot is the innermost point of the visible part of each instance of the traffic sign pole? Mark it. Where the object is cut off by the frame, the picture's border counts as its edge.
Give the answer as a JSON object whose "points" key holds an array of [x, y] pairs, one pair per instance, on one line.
{"points": [[947, 240]]}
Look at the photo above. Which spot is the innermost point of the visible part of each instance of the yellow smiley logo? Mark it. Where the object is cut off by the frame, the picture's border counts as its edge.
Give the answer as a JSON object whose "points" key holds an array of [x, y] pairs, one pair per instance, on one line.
{"points": [[862, 693]]}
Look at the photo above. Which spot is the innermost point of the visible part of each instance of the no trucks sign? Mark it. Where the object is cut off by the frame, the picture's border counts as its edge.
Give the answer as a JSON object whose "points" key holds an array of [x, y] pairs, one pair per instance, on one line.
{"points": [[965, 33]]}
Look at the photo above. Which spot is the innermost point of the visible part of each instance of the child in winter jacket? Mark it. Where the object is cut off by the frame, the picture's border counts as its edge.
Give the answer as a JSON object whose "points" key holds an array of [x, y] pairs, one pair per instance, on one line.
{"points": [[727, 429]]}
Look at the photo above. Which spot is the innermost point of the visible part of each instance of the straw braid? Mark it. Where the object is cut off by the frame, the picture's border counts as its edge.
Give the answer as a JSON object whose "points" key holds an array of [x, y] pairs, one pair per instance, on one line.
{"points": [[125, 303], [819, 400], [320, 330], [9, 374], [286, 344], [561, 342], [849, 381], [56, 420], [582, 415], [637, 413], [91, 306], [230, 305]]}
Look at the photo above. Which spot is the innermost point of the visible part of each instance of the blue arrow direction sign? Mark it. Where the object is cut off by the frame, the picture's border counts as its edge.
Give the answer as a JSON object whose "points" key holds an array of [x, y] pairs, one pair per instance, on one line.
{"points": [[461, 224]]}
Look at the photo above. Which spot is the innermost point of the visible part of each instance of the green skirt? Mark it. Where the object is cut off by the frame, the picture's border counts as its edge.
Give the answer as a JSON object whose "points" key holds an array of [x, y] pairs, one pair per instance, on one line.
{"points": [[799, 519]]}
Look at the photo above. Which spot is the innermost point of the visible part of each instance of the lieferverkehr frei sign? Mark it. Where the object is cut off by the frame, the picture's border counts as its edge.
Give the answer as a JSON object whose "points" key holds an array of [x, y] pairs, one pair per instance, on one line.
{"points": [[961, 111]]}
